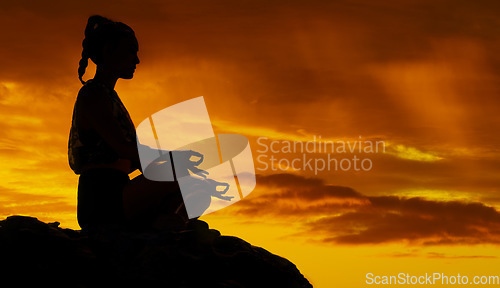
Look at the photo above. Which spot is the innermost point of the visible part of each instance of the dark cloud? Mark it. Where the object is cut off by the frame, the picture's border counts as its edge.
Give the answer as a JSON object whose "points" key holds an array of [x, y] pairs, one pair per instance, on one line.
{"points": [[307, 64], [425, 222], [297, 187], [341, 215]]}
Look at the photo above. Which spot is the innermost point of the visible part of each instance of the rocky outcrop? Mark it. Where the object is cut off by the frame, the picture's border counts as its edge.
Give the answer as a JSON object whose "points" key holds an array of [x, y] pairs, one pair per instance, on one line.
{"points": [[38, 254]]}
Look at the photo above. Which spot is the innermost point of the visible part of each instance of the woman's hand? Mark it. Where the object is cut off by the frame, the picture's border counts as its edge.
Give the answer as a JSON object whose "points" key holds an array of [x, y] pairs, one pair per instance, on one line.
{"points": [[218, 193], [183, 163]]}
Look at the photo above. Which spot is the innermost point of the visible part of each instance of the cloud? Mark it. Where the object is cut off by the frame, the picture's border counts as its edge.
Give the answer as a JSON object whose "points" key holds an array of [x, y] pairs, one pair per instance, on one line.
{"points": [[445, 256], [341, 215], [434, 255], [421, 74], [13, 202], [414, 221]]}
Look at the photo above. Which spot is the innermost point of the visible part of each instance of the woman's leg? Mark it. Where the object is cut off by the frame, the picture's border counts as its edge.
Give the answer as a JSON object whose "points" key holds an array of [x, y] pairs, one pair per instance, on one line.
{"points": [[143, 198]]}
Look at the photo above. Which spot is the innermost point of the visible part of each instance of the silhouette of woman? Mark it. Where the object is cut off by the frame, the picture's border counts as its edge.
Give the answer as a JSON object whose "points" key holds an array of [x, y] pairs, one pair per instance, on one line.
{"points": [[102, 146]]}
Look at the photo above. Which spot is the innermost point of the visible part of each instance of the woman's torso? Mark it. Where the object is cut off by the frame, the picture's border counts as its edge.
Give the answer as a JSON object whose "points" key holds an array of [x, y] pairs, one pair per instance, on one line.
{"points": [[86, 148]]}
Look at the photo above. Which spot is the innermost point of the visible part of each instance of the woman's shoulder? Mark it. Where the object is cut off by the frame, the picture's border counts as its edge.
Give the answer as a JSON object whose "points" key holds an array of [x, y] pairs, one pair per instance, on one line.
{"points": [[94, 86], [93, 93]]}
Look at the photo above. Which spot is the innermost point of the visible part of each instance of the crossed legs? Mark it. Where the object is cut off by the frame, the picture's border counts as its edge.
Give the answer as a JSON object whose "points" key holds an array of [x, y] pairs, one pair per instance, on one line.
{"points": [[144, 199]]}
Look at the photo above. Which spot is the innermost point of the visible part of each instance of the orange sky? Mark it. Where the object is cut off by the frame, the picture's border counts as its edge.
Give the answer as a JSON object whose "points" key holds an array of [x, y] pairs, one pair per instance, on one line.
{"points": [[423, 76]]}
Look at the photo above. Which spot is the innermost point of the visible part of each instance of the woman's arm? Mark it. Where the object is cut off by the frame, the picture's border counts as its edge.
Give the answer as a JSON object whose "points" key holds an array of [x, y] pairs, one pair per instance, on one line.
{"points": [[96, 111]]}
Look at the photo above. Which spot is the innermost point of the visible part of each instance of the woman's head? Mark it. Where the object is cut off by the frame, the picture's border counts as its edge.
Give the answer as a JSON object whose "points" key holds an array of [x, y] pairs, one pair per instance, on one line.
{"points": [[111, 45]]}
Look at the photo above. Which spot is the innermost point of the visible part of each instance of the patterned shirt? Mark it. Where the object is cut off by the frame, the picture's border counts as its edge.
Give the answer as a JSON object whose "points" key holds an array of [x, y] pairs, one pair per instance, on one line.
{"points": [[86, 146]]}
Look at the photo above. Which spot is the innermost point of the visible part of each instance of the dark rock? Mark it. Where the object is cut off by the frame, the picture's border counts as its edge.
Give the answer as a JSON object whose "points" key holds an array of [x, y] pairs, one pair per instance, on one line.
{"points": [[34, 253]]}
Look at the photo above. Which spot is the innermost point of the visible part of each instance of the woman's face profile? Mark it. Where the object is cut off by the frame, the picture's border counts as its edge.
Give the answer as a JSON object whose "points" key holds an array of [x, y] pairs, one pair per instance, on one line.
{"points": [[122, 60]]}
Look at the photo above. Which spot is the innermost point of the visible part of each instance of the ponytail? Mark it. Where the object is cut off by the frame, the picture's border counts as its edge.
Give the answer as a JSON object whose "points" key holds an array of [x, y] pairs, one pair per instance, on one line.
{"points": [[84, 62]]}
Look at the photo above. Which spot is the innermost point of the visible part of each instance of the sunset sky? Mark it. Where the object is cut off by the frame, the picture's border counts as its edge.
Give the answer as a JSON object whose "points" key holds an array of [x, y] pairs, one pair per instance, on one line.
{"points": [[421, 76]]}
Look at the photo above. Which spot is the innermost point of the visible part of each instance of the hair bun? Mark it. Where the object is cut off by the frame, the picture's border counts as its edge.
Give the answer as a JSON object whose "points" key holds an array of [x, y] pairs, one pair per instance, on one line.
{"points": [[95, 21]]}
